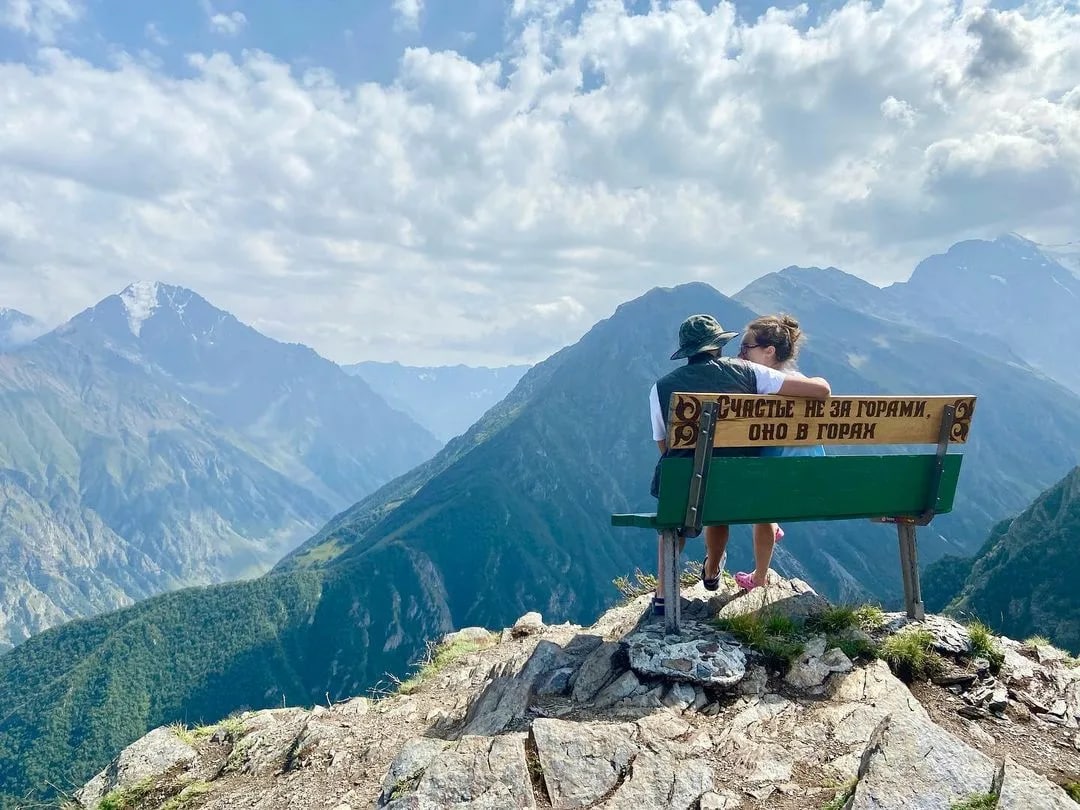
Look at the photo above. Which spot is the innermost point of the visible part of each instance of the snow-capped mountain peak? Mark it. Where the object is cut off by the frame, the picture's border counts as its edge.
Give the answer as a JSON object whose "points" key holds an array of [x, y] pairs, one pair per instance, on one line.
{"points": [[140, 300]]}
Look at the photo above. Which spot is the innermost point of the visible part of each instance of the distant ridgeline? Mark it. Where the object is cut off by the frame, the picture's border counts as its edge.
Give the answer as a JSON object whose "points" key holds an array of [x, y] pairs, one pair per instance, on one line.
{"points": [[1023, 581]]}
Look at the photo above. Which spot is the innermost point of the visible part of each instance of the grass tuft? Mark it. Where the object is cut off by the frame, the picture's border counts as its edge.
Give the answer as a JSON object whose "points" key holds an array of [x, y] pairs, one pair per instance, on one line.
{"points": [[833, 620], [778, 638], [980, 801], [870, 617], [437, 658], [1073, 789], [983, 644], [186, 797], [127, 798], [911, 655], [646, 583]]}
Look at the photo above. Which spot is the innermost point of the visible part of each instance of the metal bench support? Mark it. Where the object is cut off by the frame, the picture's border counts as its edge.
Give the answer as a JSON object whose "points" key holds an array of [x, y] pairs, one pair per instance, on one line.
{"points": [[905, 526], [670, 546]]}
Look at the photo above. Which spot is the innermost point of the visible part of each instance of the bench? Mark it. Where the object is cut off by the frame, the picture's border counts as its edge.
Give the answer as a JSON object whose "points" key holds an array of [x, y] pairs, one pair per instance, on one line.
{"points": [[698, 489]]}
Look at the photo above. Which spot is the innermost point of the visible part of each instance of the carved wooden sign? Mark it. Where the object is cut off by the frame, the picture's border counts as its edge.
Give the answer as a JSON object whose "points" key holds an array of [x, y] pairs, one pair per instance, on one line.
{"points": [[748, 420]]}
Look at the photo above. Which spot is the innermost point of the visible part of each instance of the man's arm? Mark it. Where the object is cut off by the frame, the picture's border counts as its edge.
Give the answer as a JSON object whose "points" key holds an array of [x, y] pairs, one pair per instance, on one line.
{"points": [[662, 444], [809, 387]]}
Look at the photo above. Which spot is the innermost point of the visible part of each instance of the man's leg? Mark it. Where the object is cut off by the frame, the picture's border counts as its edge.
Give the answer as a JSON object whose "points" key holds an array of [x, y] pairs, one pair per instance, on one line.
{"points": [[716, 539], [764, 542]]}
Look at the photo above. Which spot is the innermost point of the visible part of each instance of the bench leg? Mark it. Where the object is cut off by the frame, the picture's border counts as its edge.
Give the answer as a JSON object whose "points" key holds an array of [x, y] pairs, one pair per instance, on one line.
{"points": [[909, 569], [669, 554]]}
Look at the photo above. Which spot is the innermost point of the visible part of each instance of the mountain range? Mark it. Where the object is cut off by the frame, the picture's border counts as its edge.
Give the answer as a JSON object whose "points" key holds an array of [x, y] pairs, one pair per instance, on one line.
{"points": [[154, 441], [1004, 297], [1023, 579], [446, 400], [512, 516], [17, 328]]}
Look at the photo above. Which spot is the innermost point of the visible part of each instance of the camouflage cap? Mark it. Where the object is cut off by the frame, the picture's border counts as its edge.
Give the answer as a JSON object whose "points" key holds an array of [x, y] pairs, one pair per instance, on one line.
{"points": [[701, 333]]}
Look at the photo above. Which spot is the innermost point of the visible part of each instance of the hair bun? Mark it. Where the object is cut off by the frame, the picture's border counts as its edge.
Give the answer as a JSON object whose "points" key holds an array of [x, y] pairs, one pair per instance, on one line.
{"points": [[789, 322]]}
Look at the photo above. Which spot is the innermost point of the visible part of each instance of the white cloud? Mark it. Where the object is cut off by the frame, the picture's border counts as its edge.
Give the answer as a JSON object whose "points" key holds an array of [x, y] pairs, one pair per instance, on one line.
{"points": [[408, 12], [153, 33], [42, 20], [594, 161], [229, 24]]}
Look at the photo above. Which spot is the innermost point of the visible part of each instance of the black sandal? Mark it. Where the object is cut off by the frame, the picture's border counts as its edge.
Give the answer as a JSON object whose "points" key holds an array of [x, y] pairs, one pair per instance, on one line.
{"points": [[712, 584]]}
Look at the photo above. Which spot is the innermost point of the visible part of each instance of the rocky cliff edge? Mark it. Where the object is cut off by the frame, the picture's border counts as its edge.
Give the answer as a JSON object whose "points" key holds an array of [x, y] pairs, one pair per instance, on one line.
{"points": [[617, 716]]}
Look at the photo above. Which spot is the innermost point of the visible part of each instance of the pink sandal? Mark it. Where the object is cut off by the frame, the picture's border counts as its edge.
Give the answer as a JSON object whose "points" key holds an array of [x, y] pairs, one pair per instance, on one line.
{"points": [[779, 534], [746, 581]]}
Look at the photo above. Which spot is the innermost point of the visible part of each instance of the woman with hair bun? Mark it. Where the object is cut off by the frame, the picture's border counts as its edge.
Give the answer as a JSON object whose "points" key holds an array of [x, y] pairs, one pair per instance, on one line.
{"points": [[773, 341]]}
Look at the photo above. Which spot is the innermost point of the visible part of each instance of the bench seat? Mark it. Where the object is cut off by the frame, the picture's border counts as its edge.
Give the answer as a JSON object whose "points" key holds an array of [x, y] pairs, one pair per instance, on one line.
{"points": [[789, 489]]}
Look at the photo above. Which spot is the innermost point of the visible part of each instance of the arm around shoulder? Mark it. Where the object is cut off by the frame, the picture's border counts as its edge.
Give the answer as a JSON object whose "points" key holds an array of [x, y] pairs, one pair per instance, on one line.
{"points": [[810, 387]]}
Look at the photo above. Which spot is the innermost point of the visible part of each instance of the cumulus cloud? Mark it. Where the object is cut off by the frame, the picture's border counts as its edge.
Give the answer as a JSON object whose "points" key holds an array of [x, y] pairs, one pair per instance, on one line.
{"points": [[41, 20], [529, 194], [408, 12], [229, 24]]}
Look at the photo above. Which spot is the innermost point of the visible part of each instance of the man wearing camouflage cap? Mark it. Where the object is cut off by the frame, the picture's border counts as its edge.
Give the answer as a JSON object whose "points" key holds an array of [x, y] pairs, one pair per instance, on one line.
{"points": [[701, 339]]}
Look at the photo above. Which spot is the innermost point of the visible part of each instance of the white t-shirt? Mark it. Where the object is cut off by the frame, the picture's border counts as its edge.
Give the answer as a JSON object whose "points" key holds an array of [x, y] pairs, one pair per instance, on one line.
{"points": [[768, 379]]}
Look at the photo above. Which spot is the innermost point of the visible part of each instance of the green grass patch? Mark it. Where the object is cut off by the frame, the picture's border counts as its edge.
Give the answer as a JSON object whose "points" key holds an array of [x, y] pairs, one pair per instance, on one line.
{"points": [[833, 620], [981, 801], [911, 655], [438, 657], [127, 798], [870, 617], [854, 648], [1073, 789], [1037, 641], [778, 638], [983, 644], [187, 797]]}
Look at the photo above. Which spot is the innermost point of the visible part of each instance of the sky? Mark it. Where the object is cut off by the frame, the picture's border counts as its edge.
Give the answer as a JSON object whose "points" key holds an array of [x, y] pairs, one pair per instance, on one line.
{"points": [[433, 181]]}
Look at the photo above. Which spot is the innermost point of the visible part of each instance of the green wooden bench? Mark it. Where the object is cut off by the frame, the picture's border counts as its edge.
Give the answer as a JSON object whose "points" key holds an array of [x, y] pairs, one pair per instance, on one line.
{"points": [[907, 489]]}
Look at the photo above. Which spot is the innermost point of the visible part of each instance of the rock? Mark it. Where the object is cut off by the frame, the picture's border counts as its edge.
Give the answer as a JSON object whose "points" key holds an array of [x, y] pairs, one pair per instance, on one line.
{"points": [[962, 679], [1058, 708], [701, 699], [799, 600], [721, 800], [149, 756], [949, 636], [699, 654], [999, 699], [582, 762], [972, 712], [1047, 653], [680, 696], [472, 634], [489, 772], [911, 762], [505, 699], [596, 670], [755, 682], [528, 625], [836, 660], [1017, 668], [557, 683], [622, 687], [408, 766], [1020, 788], [711, 710], [806, 672], [982, 668]]}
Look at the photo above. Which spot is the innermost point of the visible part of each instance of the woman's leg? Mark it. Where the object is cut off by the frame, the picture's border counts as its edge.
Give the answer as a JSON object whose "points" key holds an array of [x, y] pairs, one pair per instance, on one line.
{"points": [[716, 540], [764, 541]]}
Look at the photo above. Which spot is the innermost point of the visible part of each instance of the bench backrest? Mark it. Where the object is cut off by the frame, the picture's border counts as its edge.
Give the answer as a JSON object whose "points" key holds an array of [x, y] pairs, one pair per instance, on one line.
{"points": [[833, 487]]}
